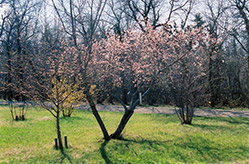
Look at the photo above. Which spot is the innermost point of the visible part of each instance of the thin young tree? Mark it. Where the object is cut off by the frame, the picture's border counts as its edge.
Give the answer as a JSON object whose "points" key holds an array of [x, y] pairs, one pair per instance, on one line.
{"points": [[51, 78], [81, 22]]}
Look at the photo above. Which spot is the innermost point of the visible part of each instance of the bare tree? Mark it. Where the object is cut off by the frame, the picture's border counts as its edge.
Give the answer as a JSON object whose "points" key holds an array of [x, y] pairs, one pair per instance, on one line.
{"points": [[18, 29], [144, 11], [2, 17], [158, 13], [51, 78], [243, 12], [214, 16], [81, 21], [117, 17], [242, 8]]}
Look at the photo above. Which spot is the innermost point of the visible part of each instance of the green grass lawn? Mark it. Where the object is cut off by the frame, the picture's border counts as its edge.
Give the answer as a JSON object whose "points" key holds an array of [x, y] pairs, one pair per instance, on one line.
{"points": [[150, 138]]}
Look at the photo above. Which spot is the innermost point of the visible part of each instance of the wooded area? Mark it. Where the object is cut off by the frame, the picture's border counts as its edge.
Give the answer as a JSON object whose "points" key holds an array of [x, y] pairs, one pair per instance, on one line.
{"points": [[186, 53]]}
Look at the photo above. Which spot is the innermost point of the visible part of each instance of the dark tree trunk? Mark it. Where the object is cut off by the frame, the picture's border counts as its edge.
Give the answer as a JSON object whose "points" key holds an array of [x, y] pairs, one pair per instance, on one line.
{"points": [[19, 97], [212, 82], [247, 87], [127, 115], [185, 114], [97, 116], [58, 128], [125, 98], [9, 78]]}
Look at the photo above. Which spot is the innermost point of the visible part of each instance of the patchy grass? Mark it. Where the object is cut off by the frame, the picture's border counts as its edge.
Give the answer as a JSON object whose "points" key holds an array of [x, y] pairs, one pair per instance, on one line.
{"points": [[149, 138]]}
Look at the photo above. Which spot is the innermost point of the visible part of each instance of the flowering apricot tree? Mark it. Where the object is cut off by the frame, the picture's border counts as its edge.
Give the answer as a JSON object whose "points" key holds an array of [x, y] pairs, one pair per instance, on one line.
{"points": [[140, 58], [187, 80]]}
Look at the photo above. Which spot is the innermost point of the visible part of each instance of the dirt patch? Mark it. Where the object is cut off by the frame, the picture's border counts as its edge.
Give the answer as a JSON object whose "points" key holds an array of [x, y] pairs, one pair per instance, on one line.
{"points": [[167, 110], [46, 118]]}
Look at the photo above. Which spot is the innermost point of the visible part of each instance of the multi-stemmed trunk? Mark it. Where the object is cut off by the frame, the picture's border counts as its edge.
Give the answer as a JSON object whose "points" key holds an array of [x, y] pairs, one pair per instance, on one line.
{"points": [[126, 117], [116, 135], [97, 116], [185, 114]]}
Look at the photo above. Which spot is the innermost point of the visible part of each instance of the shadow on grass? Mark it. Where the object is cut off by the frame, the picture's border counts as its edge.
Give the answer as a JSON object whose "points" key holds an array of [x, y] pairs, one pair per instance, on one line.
{"points": [[104, 153], [4, 105], [164, 118], [178, 148], [64, 157], [231, 120], [124, 146], [214, 128], [154, 146], [72, 118], [145, 141]]}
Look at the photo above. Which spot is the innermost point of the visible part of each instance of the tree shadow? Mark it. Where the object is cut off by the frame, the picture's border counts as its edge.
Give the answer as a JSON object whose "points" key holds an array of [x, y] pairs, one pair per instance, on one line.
{"points": [[212, 127], [143, 141], [205, 148], [71, 119], [104, 153], [231, 120], [64, 157], [126, 145], [164, 118]]}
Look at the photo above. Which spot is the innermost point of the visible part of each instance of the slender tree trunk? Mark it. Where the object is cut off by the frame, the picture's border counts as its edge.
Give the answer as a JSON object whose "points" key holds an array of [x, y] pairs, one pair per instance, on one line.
{"points": [[58, 128], [97, 116], [185, 114], [127, 115], [125, 98], [20, 96], [9, 91], [19, 66], [247, 87], [212, 82]]}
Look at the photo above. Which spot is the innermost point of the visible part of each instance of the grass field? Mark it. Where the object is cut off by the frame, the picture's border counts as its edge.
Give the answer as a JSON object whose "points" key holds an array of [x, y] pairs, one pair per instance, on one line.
{"points": [[150, 138]]}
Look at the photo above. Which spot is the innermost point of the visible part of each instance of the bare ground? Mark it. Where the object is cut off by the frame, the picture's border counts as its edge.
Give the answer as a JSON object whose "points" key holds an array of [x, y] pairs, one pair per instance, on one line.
{"points": [[168, 110], [164, 110]]}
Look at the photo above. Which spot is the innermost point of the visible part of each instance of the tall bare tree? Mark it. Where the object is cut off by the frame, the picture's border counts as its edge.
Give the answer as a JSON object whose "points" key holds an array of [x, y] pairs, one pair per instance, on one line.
{"points": [[214, 15], [18, 29], [242, 8], [81, 20], [158, 12]]}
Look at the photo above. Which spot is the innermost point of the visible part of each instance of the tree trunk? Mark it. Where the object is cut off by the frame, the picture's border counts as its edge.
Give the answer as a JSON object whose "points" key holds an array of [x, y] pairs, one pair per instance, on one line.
{"points": [[247, 87], [97, 116], [124, 93], [19, 97], [9, 83], [212, 83], [58, 128], [127, 115], [185, 114]]}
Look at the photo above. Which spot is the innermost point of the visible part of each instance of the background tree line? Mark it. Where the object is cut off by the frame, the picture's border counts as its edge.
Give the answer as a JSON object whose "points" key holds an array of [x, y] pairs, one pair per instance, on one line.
{"points": [[30, 26], [181, 52]]}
